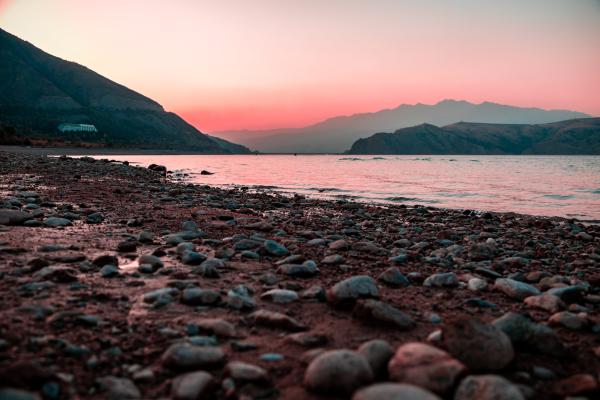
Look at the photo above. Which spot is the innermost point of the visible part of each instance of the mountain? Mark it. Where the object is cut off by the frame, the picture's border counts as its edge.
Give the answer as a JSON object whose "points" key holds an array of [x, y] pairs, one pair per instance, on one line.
{"points": [[576, 136], [39, 91], [337, 134]]}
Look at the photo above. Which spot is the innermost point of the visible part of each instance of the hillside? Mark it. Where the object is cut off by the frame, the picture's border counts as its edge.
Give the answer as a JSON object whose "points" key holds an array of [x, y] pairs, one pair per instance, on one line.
{"points": [[337, 134], [577, 136], [39, 91]]}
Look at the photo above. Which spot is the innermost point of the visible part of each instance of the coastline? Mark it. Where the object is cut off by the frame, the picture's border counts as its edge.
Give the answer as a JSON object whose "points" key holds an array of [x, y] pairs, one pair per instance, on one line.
{"points": [[71, 151], [61, 312]]}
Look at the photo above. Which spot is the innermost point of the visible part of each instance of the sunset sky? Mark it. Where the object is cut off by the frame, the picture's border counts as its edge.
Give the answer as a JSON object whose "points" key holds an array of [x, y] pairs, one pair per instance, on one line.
{"points": [[257, 64]]}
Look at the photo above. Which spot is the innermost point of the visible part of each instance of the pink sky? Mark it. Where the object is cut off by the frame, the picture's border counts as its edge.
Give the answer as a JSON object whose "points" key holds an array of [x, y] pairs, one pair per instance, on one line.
{"points": [[257, 64]]}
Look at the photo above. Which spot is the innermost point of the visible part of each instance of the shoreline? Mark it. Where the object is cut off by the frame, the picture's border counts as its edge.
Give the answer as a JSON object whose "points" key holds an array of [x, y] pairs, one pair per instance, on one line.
{"points": [[318, 193], [99, 151], [231, 293]]}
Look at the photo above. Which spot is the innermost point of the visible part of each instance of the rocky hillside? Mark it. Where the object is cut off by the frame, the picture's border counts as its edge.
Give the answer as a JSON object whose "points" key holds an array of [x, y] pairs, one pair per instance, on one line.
{"points": [[577, 136], [39, 91], [337, 134]]}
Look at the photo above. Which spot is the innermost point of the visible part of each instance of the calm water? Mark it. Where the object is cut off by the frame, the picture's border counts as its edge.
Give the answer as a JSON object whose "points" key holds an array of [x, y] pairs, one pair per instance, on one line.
{"points": [[543, 185]]}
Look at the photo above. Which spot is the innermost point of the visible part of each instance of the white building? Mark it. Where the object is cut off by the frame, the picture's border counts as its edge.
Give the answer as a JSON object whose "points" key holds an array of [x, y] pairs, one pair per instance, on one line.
{"points": [[77, 128]]}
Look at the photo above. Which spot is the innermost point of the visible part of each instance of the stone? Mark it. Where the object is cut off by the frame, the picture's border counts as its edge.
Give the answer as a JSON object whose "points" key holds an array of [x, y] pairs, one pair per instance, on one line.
{"points": [[13, 217], [272, 319], [305, 270], [446, 279], [163, 295], [378, 353], [249, 255], [338, 245], [115, 388], [192, 258], [246, 244], [480, 303], [145, 237], [337, 372], [399, 259], [346, 292], [17, 394], [154, 262], [109, 271], [202, 340], [56, 274], [280, 296], [192, 386], [515, 289], [476, 284], [94, 218], [333, 259], [575, 385], [315, 292], [271, 357], [216, 326], [478, 345], [317, 242], [213, 263], [158, 168], [183, 356], [393, 391], [568, 320], [379, 312], [482, 251], [127, 246], [200, 297], [239, 298], [105, 259], [244, 372], [546, 302], [568, 294], [425, 366], [275, 249], [543, 373], [393, 277], [184, 247], [523, 332], [55, 222], [174, 239], [189, 226], [368, 247], [308, 339], [487, 387]]}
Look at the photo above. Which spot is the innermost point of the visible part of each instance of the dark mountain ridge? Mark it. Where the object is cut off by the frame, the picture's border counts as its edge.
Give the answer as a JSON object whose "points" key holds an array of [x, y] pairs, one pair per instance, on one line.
{"points": [[39, 91], [571, 137], [337, 134]]}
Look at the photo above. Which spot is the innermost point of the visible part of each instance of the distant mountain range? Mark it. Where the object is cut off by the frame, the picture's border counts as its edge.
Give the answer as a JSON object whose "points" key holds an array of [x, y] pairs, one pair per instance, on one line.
{"points": [[336, 135], [39, 91], [577, 136]]}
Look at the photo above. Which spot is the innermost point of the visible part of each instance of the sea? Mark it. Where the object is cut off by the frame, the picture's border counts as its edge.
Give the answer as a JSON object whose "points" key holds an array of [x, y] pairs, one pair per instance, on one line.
{"points": [[566, 186]]}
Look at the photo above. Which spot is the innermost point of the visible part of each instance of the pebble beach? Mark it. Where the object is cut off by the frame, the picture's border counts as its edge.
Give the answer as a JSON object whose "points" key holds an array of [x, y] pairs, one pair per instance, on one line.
{"points": [[124, 282]]}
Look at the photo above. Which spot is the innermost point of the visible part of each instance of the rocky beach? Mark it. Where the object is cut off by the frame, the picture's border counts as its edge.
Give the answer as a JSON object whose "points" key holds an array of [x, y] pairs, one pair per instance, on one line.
{"points": [[123, 282]]}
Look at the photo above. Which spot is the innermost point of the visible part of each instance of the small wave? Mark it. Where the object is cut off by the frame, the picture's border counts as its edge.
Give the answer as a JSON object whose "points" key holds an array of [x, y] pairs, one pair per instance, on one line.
{"points": [[322, 190], [267, 187], [401, 199], [459, 195], [558, 196], [378, 158], [350, 159], [347, 196]]}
